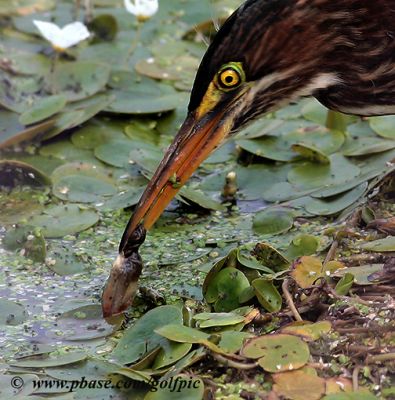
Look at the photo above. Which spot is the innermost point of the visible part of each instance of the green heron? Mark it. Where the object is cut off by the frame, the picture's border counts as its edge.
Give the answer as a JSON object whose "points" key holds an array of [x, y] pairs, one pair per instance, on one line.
{"points": [[266, 55]]}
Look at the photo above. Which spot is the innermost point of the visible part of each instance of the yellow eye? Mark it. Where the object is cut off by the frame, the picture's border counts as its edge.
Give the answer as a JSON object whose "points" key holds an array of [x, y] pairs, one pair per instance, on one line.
{"points": [[229, 78]]}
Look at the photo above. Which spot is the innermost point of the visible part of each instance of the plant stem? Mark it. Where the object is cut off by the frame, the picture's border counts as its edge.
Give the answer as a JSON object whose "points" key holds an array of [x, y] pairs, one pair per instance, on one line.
{"points": [[135, 42]]}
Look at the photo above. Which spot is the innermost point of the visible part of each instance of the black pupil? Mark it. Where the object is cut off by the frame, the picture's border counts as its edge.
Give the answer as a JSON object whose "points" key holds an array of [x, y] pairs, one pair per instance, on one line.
{"points": [[229, 79]]}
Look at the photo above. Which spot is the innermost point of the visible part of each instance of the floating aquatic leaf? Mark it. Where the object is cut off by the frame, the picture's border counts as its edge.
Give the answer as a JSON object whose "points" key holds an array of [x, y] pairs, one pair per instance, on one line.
{"points": [[363, 273], [310, 153], [309, 331], [224, 290], [85, 323], [381, 245], [309, 175], [141, 338], [298, 385], [384, 126], [170, 353], [199, 198], [80, 79], [302, 245], [330, 206], [273, 221], [62, 260], [82, 189], [43, 109], [366, 146], [345, 284], [306, 270], [59, 221], [232, 341], [358, 395], [52, 360], [277, 353], [27, 239], [267, 294], [209, 320], [270, 257], [12, 313], [90, 369], [98, 131]]}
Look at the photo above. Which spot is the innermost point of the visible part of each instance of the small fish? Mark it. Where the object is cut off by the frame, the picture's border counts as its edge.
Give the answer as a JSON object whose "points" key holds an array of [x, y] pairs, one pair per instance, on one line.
{"points": [[122, 284]]}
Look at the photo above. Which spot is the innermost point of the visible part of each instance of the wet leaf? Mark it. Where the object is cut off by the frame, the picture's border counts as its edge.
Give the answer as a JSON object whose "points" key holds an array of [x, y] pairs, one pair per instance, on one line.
{"points": [[224, 290], [345, 284], [141, 338], [270, 257], [298, 385], [384, 126], [277, 352], [59, 221], [363, 273], [170, 353], [309, 331], [310, 153], [43, 109], [267, 294], [367, 146], [302, 245], [28, 240], [12, 313], [309, 175], [9, 381], [306, 270], [62, 260], [52, 360], [334, 205], [82, 189], [80, 79], [273, 221], [208, 320], [231, 341], [85, 323], [91, 369], [381, 245]]}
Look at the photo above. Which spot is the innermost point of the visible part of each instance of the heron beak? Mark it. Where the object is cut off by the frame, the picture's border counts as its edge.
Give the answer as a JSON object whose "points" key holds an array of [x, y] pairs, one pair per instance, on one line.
{"points": [[196, 139], [194, 142]]}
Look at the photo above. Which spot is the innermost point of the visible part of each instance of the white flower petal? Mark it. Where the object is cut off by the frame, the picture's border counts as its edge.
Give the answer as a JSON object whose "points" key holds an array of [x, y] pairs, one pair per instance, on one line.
{"points": [[48, 30], [64, 38], [142, 8]]}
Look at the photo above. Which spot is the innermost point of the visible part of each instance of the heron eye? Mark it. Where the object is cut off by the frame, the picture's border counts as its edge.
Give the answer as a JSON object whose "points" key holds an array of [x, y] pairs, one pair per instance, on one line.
{"points": [[229, 78]]}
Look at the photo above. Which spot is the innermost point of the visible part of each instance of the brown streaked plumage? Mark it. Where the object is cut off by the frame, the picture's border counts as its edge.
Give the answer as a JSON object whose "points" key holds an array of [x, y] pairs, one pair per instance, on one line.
{"points": [[267, 54]]}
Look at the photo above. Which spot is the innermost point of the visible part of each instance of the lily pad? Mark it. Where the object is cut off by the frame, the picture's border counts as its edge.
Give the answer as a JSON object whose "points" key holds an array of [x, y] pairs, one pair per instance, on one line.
{"points": [[310, 175], [170, 353], [12, 313], [299, 385], [62, 260], [85, 323], [43, 109], [330, 206], [82, 189], [226, 288], [277, 353], [27, 239], [384, 126], [270, 257], [381, 245], [59, 221], [309, 331], [79, 80], [209, 320], [141, 338], [345, 284], [273, 221], [267, 294], [52, 360], [306, 270]]}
